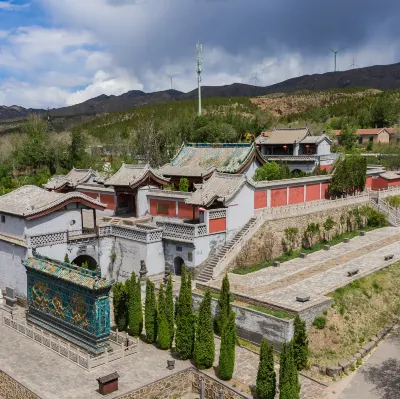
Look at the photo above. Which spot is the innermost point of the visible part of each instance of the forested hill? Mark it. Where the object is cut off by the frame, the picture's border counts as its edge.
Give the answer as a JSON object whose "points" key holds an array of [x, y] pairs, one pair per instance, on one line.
{"points": [[382, 77]]}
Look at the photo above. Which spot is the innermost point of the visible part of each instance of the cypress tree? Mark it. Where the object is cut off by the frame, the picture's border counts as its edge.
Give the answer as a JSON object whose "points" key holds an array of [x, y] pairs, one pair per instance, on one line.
{"points": [[227, 352], [169, 309], [184, 339], [266, 379], [290, 387], [224, 307], [120, 305], [66, 258], [300, 343], [150, 312], [135, 307], [282, 362], [164, 339], [204, 349]]}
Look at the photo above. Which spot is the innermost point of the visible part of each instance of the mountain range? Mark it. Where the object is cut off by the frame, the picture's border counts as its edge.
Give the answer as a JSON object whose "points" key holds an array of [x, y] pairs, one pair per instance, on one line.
{"points": [[382, 77]]}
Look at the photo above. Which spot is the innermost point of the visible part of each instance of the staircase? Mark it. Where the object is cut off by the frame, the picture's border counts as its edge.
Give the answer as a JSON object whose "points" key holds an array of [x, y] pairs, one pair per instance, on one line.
{"points": [[391, 213], [207, 273]]}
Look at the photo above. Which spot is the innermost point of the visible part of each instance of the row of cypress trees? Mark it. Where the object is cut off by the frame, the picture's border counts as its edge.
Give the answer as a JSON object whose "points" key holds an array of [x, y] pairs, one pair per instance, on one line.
{"points": [[293, 357]]}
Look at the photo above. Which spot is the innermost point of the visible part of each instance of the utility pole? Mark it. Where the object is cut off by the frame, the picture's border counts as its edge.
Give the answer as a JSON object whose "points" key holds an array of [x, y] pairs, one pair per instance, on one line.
{"points": [[199, 49]]}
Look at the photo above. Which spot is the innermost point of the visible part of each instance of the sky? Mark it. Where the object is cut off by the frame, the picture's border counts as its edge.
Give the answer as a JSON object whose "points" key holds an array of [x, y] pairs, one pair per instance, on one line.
{"points": [[55, 53]]}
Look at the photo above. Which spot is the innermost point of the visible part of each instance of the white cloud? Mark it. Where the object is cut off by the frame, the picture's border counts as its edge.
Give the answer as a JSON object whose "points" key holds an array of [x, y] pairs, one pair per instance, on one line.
{"points": [[10, 6]]}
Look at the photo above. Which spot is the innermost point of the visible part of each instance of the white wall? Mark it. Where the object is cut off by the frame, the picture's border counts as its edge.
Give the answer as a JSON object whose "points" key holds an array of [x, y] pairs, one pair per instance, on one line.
{"points": [[12, 272], [252, 168], [240, 210], [323, 148], [13, 225], [55, 221], [204, 245], [141, 200]]}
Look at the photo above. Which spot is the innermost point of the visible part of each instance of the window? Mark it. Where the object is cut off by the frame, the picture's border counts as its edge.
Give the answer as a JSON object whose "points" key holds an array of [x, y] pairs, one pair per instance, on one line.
{"points": [[3, 219], [360, 140], [162, 209], [190, 256], [72, 222], [371, 138], [178, 248]]}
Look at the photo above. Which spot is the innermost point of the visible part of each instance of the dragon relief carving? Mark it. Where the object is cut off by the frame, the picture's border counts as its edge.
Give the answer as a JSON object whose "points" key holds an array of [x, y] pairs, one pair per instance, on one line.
{"points": [[79, 311], [58, 308], [40, 299]]}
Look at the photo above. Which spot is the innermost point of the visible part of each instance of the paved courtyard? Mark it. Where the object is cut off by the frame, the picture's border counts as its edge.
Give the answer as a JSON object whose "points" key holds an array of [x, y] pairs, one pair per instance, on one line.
{"points": [[320, 272], [51, 376]]}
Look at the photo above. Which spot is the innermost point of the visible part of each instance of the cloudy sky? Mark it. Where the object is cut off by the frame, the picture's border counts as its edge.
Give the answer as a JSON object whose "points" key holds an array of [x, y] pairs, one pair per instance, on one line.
{"points": [[62, 52]]}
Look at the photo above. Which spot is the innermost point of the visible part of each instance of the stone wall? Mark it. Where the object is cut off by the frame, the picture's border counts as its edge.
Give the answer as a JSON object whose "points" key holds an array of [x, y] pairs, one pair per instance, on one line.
{"points": [[268, 242], [253, 326], [182, 383], [310, 313], [12, 389]]}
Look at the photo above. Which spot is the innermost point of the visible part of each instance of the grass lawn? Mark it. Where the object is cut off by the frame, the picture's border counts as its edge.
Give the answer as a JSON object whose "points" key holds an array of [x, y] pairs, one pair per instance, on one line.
{"points": [[360, 310], [296, 254], [276, 313]]}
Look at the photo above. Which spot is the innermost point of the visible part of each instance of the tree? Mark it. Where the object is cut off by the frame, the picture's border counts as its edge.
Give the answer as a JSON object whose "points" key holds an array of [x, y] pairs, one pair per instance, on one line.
{"points": [[184, 184], [120, 304], [290, 386], [282, 362], [300, 343], [169, 309], [347, 138], [269, 171], [66, 258], [135, 307], [266, 378], [78, 146], [224, 307], [184, 339], [150, 312], [164, 338], [204, 349], [227, 353]]}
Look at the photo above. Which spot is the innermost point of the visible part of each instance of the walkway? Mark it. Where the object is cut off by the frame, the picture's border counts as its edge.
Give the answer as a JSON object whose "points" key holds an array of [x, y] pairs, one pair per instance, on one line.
{"points": [[379, 377]]}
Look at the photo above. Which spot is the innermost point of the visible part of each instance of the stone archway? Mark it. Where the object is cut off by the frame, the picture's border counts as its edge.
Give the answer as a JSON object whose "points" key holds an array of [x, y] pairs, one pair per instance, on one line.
{"points": [[178, 263], [91, 262]]}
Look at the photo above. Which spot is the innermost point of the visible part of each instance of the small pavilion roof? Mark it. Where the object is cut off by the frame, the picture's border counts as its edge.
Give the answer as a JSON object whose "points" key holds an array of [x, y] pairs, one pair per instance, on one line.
{"points": [[221, 187], [72, 179], [67, 272], [134, 175], [32, 201], [202, 159]]}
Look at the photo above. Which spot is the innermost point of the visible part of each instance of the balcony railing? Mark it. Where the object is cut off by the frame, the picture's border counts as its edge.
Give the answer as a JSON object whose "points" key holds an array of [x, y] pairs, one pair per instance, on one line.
{"points": [[182, 231]]}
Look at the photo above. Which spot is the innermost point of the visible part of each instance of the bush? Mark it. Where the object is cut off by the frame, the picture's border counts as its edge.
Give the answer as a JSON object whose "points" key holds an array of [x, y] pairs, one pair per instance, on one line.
{"points": [[184, 184], [320, 322], [300, 343]]}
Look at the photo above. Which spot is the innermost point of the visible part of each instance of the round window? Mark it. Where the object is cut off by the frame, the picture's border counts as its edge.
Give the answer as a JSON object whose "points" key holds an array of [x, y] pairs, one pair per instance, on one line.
{"points": [[72, 222]]}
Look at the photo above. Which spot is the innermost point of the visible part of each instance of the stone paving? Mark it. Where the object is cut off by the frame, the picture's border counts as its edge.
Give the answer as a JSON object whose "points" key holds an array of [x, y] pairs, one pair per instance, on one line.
{"points": [[51, 376], [320, 272]]}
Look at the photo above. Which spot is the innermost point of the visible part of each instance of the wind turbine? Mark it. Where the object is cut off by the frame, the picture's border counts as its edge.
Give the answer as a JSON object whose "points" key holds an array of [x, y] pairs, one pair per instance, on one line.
{"points": [[353, 65], [171, 77], [335, 53], [255, 79]]}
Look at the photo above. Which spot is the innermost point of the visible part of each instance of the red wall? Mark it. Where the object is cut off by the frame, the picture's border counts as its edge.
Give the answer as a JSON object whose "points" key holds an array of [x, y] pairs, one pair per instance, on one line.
{"points": [[368, 182], [216, 225], [90, 194], [379, 183], [312, 192], [296, 194], [171, 207], [278, 197], [185, 211], [108, 199], [260, 199], [394, 183], [324, 190]]}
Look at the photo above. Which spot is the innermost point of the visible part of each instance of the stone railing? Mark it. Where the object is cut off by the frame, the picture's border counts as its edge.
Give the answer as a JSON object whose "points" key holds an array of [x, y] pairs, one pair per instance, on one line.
{"points": [[217, 213], [135, 233], [127, 345], [393, 214], [47, 239], [182, 231], [383, 193], [287, 211]]}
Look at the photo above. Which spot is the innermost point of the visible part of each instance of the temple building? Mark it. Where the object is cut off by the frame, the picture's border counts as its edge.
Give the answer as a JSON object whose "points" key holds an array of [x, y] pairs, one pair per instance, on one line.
{"points": [[298, 148], [198, 161]]}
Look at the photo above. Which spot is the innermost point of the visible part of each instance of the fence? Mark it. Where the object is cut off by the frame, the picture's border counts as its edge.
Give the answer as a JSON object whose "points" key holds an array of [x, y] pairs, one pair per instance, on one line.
{"points": [[127, 345], [182, 231]]}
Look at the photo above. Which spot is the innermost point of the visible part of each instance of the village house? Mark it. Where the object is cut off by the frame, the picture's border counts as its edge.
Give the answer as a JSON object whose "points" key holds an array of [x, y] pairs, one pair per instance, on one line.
{"points": [[377, 135], [297, 147]]}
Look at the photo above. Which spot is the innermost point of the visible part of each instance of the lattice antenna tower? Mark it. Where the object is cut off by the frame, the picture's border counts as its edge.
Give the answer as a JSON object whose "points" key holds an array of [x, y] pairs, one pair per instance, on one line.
{"points": [[199, 49], [334, 56]]}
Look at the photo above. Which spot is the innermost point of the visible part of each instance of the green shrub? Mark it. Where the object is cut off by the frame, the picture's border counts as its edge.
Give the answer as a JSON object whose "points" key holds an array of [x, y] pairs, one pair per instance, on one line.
{"points": [[300, 343], [224, 307], [150, 312], [226, 363], [266, 378], [163, 335], [319, 322], [184, 184]]}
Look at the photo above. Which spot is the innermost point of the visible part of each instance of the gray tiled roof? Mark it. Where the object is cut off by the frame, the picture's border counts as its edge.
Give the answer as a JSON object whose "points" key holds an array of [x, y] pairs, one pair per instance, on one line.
{"points": [[315, 139], [72, 178], [201, 159], [221, 186], [291, 158], [284, 136], [30, 200], [168, 194], [391, 175], [129, 175]]}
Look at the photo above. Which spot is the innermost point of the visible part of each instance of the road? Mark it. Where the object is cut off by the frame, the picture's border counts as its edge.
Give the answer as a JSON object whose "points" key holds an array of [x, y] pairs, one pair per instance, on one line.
{"points": [[379, 377]]}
